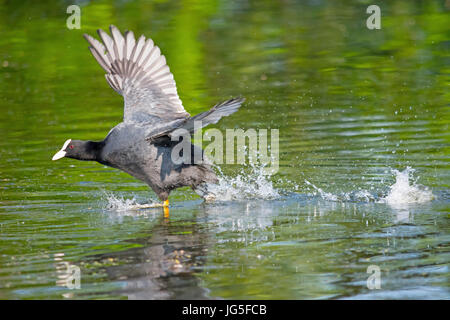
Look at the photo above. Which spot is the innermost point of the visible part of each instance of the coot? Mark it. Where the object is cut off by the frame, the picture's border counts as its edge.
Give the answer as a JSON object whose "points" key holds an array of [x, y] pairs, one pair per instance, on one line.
{"points": [[142, 144]]}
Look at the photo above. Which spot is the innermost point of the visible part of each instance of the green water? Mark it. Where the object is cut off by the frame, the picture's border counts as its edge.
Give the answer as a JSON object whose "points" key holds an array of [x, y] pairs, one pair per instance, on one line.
{"points": [[351, 104]]}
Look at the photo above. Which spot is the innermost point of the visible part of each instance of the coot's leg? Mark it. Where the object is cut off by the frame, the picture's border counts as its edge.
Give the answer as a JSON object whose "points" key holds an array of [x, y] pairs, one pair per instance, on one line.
{"points": [[166, 208]]}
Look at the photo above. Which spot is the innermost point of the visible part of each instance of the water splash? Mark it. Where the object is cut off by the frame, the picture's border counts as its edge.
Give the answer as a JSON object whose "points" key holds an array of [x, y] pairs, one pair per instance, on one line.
{"points": [[119, 203], [250, 184], [352, 196], [406, 190], [324, 195]]}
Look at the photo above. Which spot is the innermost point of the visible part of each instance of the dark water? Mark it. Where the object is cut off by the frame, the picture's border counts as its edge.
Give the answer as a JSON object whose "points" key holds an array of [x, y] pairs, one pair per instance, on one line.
{"points": [[352, 105]]}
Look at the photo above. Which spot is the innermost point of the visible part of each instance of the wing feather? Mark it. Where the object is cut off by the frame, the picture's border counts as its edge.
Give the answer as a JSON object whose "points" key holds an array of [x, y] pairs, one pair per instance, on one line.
{"points": [[138, 71]]}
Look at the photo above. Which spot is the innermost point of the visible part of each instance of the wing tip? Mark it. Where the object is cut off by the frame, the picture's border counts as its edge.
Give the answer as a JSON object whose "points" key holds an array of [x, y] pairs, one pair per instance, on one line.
{"points": [[233, 101], [113, 27], [240, 99]]}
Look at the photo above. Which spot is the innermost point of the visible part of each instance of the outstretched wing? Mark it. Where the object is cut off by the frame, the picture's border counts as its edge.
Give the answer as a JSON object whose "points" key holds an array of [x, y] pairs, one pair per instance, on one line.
{"points": [[196, 122], [138, 71], [213, 115]]}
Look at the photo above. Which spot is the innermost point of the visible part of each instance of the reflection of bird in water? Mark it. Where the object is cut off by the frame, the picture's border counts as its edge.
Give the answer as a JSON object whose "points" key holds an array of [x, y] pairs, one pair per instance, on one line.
{"points": [[142, 144], [165, 268], [166, 264]]}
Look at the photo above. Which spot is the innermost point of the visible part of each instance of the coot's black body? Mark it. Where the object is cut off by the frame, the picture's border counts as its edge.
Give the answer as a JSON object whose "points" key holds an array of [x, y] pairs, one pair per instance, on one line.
{"points": [[141, 145], [152, 163]]}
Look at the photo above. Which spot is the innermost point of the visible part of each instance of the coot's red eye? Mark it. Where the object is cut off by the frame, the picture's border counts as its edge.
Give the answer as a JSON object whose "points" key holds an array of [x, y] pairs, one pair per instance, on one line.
{"points": [[71, 146]]}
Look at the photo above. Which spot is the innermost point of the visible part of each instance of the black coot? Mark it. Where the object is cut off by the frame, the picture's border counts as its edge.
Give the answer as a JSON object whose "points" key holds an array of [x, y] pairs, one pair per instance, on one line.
{"points": [[141, 145]]}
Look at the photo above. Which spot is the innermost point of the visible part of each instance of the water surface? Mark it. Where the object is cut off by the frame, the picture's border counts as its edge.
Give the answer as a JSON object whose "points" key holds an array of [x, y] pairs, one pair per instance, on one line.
{"points": [[364, 146]]}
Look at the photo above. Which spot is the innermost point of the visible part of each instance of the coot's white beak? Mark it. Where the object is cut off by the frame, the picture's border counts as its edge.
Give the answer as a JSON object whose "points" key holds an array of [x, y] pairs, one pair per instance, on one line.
{"points": [[61, 153]]}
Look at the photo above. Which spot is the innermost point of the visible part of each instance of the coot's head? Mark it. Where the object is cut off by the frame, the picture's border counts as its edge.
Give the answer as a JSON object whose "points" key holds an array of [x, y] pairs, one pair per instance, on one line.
{"points": [[77, 149]]}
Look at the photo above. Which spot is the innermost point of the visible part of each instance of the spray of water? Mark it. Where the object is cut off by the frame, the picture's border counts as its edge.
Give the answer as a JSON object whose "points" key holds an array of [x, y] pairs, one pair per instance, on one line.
{"points": [[405, 190], [251, 183], [119, 203]]}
